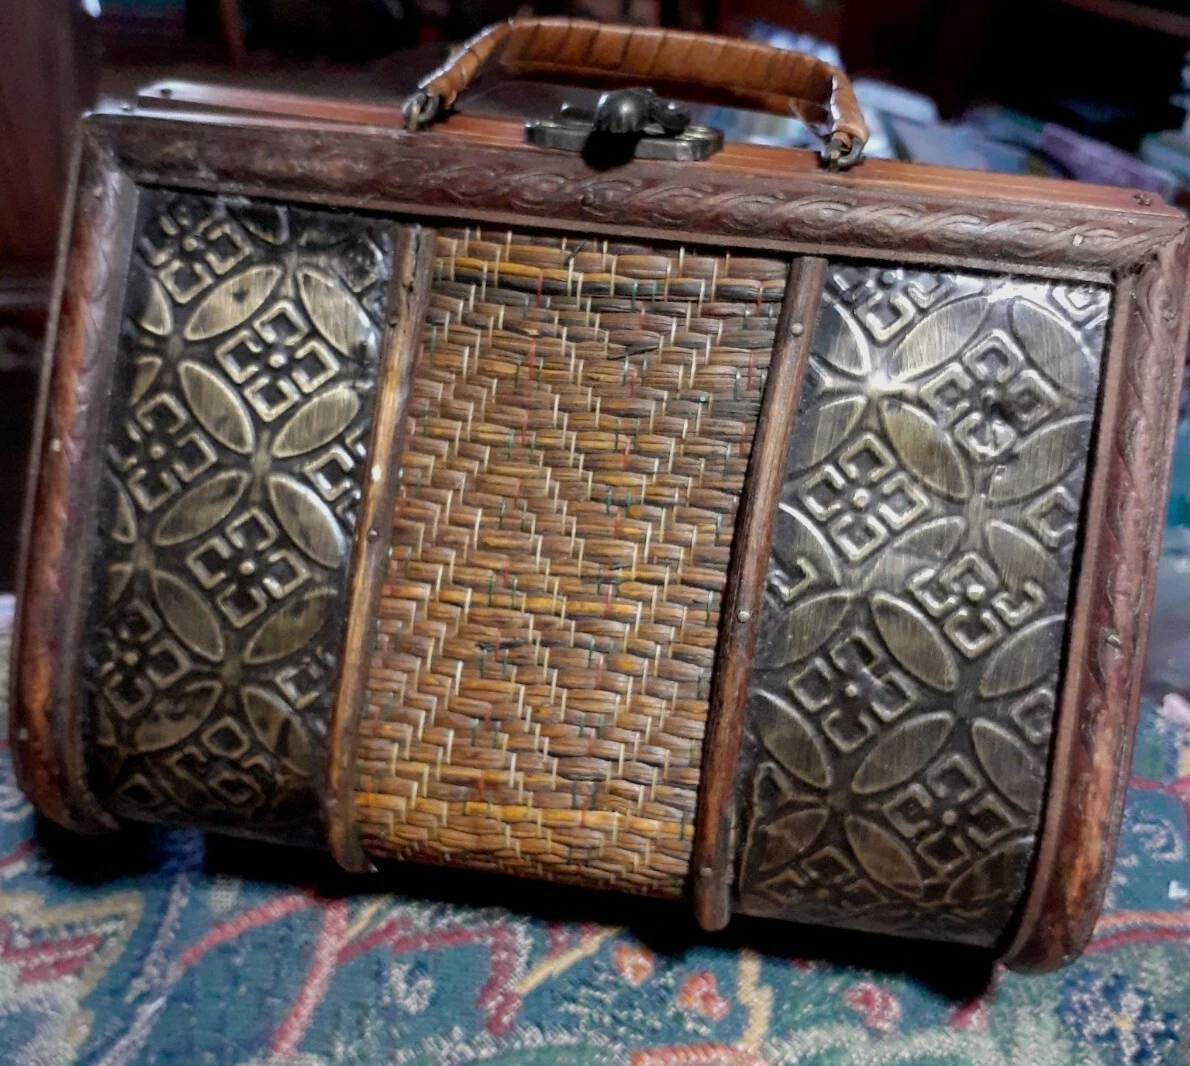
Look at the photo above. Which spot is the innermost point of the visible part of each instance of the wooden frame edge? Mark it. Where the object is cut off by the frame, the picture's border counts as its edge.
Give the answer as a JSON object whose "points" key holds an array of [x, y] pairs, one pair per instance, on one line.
{"points": [[45, 728], [451, 175], [413, 265], [713, 854], [1098, 708]]}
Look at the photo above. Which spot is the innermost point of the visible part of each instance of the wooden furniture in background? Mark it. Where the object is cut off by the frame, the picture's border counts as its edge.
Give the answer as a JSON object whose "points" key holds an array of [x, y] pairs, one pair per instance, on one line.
{"points": [[48, 75], [48, 72]]}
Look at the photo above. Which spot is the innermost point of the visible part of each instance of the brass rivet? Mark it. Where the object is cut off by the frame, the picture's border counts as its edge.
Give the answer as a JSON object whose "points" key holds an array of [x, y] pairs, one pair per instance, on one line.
{"points": [[744, 616], [797, 329], [373, 534]]}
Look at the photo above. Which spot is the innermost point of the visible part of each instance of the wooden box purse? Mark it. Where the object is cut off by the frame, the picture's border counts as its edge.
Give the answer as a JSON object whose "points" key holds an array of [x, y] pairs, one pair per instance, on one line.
{"points": [[594, 502]]}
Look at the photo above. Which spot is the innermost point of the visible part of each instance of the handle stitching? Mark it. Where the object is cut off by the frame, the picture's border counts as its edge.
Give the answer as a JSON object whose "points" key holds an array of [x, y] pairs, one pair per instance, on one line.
{"points": [[846, 132]]}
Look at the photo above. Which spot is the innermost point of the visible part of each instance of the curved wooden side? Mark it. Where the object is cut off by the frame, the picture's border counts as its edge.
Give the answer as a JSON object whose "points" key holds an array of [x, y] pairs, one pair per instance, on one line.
{"points": [[713, 854], [205, 430], [1097, 719], [46, 734], [413, 263]]}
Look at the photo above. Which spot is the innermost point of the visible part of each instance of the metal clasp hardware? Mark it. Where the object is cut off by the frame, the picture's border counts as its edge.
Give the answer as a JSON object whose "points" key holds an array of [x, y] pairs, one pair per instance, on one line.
{"points": [[626, 124]]}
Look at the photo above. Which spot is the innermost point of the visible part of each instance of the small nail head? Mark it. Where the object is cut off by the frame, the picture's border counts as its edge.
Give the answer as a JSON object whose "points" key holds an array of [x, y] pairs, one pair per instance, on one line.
{"points": [[744, 616], [797, 329]]}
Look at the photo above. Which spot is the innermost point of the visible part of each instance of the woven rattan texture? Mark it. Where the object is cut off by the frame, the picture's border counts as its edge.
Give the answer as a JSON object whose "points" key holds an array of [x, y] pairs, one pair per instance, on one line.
{"points": [[579, 432]]}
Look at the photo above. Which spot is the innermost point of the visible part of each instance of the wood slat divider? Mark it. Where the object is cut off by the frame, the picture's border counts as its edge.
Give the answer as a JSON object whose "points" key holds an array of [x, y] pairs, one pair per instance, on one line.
{"points": [[714, 839]]}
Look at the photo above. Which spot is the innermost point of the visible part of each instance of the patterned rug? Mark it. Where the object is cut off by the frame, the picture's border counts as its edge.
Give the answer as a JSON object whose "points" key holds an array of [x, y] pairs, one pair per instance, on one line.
{"points": [[162, 948]]}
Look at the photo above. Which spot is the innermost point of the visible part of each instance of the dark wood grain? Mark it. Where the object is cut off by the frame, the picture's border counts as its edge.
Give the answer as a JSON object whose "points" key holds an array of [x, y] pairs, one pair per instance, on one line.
{"points": [[46, 733], [413, 264], [175, 95], [254, 108], [740, 198], [48, 74], [714, 843], [1096, 722]]}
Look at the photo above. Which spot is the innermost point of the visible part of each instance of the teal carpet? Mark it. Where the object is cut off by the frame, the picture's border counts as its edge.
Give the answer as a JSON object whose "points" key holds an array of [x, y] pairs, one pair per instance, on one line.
{"points": [[163, 948]]}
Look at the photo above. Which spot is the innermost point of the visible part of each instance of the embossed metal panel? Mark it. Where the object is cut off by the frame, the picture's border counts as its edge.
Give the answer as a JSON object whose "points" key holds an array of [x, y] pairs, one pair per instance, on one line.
{"points": [[240, 405], [899, 715]]}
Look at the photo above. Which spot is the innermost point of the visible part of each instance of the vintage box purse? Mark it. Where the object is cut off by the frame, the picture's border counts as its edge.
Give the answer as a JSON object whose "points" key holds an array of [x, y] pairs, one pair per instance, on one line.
{"points": [[595, 502]]}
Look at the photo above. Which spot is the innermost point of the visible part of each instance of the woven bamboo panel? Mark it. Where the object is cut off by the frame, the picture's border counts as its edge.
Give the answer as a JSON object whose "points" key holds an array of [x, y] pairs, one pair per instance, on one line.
{"points": [[580, 426]]}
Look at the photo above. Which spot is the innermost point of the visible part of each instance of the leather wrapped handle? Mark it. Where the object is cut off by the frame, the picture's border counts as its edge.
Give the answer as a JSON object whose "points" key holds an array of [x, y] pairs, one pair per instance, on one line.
{"points": [[700, 67]]}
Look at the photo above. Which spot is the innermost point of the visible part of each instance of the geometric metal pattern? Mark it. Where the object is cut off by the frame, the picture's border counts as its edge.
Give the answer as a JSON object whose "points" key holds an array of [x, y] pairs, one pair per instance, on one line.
{"points": [[240, 407], [898, 720]]}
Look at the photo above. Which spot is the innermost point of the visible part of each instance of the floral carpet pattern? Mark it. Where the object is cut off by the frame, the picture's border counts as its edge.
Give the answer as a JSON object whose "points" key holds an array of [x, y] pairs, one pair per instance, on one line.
{"points": [[165, 948]]}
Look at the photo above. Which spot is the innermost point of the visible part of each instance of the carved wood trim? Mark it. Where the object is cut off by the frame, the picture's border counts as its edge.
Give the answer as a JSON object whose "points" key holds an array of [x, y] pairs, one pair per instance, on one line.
{"points": [[1097, 714], [713, 857], [46, 734], [435, 173], [413, 265]]}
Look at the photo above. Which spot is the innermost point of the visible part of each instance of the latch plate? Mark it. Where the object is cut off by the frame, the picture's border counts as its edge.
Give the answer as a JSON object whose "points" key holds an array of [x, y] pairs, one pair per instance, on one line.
{"points": [[626, 124]]}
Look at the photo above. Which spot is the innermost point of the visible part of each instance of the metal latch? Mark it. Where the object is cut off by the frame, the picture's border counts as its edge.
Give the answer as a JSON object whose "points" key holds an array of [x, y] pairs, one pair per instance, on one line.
{"points": [[626, 124]]}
